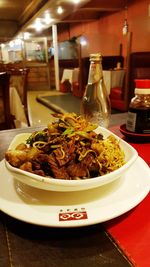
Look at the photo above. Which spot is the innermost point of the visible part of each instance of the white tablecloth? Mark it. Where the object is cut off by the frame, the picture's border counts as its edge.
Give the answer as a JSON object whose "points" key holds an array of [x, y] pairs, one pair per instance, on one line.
{"points": [[113, 78], [70, 74], [16, 109], [67, 75]]}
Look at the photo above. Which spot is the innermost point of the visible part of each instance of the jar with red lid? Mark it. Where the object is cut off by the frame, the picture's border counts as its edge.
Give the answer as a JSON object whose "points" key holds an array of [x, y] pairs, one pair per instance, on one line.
{"points": [[138, 119]]}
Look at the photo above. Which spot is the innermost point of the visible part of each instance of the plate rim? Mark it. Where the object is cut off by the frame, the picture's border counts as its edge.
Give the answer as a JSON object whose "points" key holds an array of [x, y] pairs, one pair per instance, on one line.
{"points": [[135, 201]]}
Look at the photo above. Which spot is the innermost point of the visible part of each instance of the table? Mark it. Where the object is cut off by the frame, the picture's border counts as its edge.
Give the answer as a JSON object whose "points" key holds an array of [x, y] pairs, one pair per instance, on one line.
{"points": [[70, 74], [28, 245], [63, 103], [16, 109], [113, 78]]}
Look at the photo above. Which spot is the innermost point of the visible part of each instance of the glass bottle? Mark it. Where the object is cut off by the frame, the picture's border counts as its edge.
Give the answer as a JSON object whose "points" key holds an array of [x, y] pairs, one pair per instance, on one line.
{"points": [[138, 119], [95, 104]]}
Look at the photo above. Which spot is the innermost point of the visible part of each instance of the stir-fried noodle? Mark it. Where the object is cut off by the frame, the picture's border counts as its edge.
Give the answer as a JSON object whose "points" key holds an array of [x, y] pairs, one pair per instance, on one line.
{"points": [[68, 149]]}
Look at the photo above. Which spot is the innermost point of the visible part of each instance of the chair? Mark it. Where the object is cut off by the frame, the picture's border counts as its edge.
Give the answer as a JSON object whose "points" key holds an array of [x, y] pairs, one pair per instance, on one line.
{"points": [[18, 79], [139, 68], [117, 99], [7, 120]]}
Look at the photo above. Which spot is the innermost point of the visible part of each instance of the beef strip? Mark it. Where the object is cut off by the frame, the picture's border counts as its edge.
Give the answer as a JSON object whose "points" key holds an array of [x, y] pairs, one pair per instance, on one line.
{"points": [[68, 149], [58, 172], [77, 170]]}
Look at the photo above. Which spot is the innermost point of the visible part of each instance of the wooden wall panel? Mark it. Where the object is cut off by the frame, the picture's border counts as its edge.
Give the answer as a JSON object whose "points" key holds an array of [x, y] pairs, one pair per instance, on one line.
{"points": [[38, 78], [105, 34]]}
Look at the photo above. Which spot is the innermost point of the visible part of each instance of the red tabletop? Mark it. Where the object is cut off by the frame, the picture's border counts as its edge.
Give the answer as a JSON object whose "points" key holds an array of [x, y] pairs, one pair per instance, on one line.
{"points": [[131, 231]]}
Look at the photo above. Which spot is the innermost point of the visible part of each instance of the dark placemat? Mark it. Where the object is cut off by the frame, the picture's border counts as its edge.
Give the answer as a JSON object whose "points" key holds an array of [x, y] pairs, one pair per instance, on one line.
{"points": [[61, 103], [64, 103]]}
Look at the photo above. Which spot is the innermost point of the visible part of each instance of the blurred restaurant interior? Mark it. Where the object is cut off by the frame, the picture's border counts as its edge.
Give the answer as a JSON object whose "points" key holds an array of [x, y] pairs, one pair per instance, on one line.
{"points": [[44, 43]]}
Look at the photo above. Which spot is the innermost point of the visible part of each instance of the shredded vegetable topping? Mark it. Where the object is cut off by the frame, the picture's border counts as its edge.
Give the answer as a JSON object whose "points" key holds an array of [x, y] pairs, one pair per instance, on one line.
{"points": [[68, 149]]}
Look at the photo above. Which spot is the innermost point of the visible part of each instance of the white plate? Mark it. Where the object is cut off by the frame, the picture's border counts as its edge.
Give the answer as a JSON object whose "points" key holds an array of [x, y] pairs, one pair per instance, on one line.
{"points": [[73, 209], [72, 185]]}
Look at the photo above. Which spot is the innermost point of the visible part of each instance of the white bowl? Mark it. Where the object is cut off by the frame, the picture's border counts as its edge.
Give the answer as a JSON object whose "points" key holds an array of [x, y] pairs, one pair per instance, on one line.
{"points": [[53, 184]]}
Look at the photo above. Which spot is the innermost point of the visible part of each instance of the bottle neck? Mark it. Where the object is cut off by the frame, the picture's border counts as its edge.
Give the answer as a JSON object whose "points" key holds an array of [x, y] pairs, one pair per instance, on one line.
{"points": [[95, 72]]}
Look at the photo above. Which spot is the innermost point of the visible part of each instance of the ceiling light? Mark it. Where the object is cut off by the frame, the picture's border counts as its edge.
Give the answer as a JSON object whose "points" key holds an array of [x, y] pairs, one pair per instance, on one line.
{"points": [[26, 35], [125, 25], [48, 18], [76, 1], [2, 45], [11, 43], [60, 10], [38, 25], [17, 41]]}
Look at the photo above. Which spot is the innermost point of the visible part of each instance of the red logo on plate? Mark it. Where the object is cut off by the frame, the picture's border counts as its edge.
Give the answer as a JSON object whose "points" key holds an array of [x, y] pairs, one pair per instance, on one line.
{"points": [[72, 216]]}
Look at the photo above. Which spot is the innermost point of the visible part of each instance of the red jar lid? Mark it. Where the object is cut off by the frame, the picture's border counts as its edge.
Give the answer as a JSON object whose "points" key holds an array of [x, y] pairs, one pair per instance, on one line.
{"points": [[142, 83]]}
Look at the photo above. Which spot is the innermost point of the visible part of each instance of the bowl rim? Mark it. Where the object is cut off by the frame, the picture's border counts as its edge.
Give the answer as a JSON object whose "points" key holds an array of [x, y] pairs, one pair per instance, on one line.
{"points": [[100, 180]]}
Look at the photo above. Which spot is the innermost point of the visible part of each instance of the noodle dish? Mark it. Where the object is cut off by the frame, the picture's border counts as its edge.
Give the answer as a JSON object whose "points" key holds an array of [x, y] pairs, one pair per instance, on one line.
{"points": [[69, 154]]}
